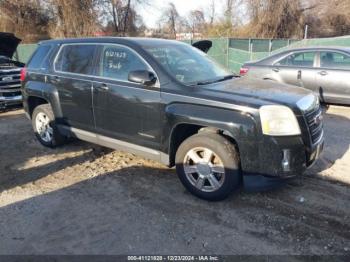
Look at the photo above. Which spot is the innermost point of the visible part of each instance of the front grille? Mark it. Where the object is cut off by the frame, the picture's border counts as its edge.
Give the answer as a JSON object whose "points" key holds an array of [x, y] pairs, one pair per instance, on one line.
{"points": [[10, 84], [315, 124]]}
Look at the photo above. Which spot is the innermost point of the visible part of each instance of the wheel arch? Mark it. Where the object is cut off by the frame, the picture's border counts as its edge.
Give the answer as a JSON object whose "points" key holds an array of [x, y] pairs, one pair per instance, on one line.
{"points": [[35, 101], [182, 131], [36, 93]]}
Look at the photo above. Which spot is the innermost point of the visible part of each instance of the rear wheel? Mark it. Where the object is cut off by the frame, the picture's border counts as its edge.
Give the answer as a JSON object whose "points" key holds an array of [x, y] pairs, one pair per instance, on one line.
{"points": [[46, 131], [208, 166]]}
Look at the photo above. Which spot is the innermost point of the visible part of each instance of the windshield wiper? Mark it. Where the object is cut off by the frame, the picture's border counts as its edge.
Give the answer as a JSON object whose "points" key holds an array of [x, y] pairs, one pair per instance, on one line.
{"points": [[215, 80], [226, 78]]}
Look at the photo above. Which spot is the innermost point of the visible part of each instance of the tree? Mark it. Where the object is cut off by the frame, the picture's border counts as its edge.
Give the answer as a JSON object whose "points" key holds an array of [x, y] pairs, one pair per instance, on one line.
{"points": [[328, 18], [121, 16], [170, 17], [73, 18], [196, 21], [212, 12], [26, 18], [275, 18]]}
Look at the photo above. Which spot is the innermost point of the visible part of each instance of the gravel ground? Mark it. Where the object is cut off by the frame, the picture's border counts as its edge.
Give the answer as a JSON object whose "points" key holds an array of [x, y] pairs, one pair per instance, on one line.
{"points": [[84, 199]]}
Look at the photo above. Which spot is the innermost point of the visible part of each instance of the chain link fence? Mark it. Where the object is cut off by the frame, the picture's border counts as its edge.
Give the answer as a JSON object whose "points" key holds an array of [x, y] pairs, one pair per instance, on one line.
{"points": [[232, 52]]}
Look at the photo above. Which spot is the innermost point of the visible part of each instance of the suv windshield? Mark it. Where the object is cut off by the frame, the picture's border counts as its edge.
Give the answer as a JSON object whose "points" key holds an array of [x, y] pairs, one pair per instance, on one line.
{"points": [[187, 64]]}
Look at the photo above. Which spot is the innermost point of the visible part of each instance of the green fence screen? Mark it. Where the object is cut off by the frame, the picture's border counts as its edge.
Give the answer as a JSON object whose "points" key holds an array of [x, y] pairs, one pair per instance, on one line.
{"points": [[232, 52], [24, 52]]}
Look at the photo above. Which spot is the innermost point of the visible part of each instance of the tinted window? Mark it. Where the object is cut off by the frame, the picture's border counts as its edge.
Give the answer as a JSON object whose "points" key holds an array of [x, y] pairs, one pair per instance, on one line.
{"points": [[335, 60], [76, 59], [305, 59], [40, 57], [118, 61]]}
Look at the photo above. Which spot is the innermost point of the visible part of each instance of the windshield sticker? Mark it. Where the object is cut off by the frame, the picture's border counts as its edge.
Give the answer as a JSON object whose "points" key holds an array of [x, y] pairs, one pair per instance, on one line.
{"points": [[180, 77], [116, 54]]}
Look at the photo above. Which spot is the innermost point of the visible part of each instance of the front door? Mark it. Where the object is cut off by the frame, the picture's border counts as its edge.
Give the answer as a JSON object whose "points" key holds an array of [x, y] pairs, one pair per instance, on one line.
{"points": [[297, 69], [124, 110], [73, 81]]}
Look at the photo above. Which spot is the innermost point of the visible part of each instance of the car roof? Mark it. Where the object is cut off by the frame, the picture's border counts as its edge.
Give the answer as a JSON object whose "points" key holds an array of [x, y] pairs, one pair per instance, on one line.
{"points": [[336, 48], [277, 55], [122, 40]]}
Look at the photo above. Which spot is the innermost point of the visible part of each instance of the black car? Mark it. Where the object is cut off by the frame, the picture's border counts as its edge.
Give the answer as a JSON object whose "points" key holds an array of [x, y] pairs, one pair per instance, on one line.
{"points": [[10, 86], [323, 70], [169, 102]]}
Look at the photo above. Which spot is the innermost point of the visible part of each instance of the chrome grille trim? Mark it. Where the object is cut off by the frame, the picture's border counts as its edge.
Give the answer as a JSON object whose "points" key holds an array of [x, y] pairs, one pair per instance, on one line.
{"points": [[10, 84], [315, 124]]}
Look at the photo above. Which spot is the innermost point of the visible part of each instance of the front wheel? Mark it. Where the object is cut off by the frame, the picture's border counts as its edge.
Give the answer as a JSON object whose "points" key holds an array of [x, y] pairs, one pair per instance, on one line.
{"points": [[208, 166]]}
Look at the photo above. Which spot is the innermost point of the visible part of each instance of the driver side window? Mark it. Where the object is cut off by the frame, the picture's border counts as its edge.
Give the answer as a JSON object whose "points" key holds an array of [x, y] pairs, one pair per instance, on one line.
{"points": [[117, 62]]}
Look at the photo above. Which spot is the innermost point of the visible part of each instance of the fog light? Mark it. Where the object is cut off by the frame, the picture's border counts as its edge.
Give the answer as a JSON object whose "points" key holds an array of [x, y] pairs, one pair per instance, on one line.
{"points": [[286, 160]]}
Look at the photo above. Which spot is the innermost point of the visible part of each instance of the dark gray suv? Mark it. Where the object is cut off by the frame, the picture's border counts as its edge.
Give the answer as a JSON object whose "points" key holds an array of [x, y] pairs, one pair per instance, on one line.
{"points": [[169, 102], [324, 70]]}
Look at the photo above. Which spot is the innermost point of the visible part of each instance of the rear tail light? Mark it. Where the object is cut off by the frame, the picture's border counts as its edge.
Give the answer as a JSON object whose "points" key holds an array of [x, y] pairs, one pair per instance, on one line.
{"points": [[23, 74], [243, 71]]}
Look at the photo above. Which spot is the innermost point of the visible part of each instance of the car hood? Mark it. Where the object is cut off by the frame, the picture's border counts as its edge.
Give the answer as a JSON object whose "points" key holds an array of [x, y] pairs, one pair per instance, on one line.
{"points": [[8, 44], [255, 93]]}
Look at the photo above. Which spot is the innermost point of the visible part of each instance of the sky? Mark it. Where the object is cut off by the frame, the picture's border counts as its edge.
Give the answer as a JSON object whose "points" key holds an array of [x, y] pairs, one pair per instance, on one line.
{"points": [[152, 12]]}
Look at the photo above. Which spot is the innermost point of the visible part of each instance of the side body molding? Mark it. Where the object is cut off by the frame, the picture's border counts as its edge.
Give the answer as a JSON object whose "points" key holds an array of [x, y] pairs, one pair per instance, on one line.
{"points": [[115, 144]]}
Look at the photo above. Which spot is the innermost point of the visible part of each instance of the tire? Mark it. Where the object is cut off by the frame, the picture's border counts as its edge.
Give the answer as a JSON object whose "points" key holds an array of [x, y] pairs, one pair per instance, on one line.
{"points": [[216, 173], [49, 135]]}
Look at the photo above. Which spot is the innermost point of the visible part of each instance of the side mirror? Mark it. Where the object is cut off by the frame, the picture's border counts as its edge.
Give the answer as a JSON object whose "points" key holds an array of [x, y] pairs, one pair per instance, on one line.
{"points": [[143, 77]]}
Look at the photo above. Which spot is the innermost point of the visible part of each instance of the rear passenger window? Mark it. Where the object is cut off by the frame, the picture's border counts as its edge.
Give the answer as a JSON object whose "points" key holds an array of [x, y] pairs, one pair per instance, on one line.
{"points": [[305, 59], [117, 62], [40, 58], [335, 60], [76, 59]]}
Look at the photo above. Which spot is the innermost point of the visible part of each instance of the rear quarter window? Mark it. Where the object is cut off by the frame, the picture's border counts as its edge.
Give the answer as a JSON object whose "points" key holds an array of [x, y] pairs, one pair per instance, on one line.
{"points": [[335, 60], [40, 59]]}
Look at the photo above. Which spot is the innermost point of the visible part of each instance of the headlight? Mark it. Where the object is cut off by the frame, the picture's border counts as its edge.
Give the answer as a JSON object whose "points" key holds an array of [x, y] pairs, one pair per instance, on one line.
{"points": [[278, 120]]}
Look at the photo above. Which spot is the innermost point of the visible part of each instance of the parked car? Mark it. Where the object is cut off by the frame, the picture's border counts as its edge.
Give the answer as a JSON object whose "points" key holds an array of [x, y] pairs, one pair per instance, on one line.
{"points": [[323, 70], [10, 85], [167, 101]]}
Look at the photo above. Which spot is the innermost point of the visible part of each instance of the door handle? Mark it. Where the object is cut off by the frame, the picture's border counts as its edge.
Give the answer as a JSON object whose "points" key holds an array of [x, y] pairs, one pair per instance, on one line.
{"points": [[323, 73], [55, 79], [299, 75], [276, 70], [103, 87]]}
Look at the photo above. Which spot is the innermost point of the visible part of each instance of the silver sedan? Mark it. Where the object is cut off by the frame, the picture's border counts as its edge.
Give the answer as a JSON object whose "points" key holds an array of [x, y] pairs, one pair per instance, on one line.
{"points": [[324, 70]]}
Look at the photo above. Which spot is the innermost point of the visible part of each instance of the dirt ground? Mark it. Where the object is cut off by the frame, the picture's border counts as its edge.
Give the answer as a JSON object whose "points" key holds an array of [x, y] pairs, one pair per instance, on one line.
{"points": [[83, 199]]}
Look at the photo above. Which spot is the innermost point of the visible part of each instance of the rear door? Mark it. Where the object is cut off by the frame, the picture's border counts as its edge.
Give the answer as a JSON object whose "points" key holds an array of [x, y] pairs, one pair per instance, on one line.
{"points": [[73, 77], [297, 69], [124, 110], [333, 77]]}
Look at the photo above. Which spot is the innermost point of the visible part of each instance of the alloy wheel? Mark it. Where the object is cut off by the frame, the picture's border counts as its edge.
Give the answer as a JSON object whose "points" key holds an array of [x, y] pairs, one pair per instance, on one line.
{"points": [[204, 169], [42, 124]]}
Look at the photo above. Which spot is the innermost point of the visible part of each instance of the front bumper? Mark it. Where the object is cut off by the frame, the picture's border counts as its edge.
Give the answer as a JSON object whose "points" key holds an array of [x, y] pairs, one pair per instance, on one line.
{"points": [[273, 174], [282, 157], [10, 101]]}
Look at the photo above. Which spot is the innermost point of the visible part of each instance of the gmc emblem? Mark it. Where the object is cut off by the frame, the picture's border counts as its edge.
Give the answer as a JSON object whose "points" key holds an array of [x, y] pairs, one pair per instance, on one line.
{"points": [[318, 119]]}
